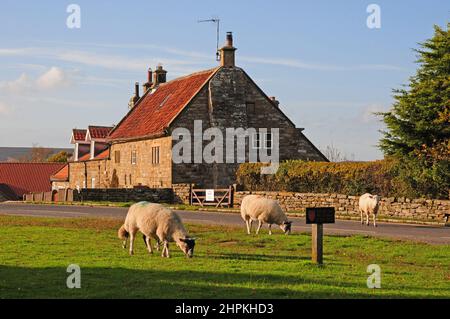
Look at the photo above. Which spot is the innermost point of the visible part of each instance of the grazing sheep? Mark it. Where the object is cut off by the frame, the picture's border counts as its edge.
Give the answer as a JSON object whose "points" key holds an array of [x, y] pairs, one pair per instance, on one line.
{"points": [[369, 204], [157, 222], [264, 210]]}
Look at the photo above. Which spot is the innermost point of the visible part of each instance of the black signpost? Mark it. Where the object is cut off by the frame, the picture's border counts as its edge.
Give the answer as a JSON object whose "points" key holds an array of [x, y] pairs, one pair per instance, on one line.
{"points": [[317, 216]]}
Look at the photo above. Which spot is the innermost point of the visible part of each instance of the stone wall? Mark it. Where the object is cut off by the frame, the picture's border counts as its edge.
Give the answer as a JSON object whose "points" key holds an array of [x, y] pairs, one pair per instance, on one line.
{"points": [[155, 195], [181, 193], [347, 206]]}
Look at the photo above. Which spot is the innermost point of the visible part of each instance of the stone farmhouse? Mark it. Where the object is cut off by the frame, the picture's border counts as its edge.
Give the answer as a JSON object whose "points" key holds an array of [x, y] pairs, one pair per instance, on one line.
{"points": [[138, 150]]}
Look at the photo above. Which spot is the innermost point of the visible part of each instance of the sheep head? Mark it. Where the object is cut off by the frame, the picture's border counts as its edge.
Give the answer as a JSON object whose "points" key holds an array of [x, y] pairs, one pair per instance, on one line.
{"points": [[187, 246], [286, 227]]}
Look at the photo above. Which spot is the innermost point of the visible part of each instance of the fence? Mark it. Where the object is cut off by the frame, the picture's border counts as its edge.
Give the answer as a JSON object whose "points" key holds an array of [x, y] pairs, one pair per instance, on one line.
{"points": [[221, 197]]}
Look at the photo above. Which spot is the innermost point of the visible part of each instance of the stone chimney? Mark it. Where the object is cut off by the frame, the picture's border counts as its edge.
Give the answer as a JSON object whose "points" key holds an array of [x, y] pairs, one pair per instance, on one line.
{"points": [[147, 85], [275, 101], [227, 52], [159, 76], [135, 97]]}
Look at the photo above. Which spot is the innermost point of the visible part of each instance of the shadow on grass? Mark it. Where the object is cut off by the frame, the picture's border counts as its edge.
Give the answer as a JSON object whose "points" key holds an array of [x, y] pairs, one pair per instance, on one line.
{"points": [[20, 282], [257, 257]]}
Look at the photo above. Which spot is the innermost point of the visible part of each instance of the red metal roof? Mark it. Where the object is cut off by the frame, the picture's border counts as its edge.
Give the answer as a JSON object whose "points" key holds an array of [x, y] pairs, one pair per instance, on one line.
{"points": [[99, 131], [156, 110], [24, 178], [79, 134]]}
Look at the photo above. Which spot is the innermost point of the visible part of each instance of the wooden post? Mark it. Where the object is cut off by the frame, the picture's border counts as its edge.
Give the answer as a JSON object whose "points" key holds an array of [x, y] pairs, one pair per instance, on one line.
{"points": [[317, 243]]}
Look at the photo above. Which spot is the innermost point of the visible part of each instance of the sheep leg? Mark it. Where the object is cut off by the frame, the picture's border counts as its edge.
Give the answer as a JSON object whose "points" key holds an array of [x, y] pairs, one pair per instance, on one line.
{"points": [[148, 243], [247, 223], [166, 249], [250, 222], [131, 242], [374, 220], [157, 245], [362, 218], [367, 219], [259, 227], [270, 229], [124, 243]]}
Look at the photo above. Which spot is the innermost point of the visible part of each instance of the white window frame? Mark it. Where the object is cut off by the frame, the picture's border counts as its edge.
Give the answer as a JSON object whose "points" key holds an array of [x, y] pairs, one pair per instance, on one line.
{"points": [[133, 157], [266, 140], [256, 137]]}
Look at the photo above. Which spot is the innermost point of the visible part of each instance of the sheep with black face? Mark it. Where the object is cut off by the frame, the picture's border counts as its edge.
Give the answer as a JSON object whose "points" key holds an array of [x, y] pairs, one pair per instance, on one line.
{"points": [[264, 210], [157, 222]]}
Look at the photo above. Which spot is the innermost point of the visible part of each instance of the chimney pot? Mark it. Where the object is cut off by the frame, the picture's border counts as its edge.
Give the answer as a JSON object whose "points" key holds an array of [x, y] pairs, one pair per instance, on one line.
{"points": [[149, 75], [159, 76], [146, 86], [229, 39], [136, 89]]}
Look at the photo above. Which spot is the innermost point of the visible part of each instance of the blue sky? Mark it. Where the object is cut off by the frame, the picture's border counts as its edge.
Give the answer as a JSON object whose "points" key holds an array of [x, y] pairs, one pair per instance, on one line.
{"points": [[326, 67]]}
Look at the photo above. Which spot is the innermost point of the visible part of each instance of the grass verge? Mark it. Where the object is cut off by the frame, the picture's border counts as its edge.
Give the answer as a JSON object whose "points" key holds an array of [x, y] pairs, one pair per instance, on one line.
{"points": [[227, 264]]}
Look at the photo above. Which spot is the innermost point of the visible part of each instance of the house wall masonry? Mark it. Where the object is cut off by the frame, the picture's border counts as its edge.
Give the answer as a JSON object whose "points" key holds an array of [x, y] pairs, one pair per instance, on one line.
{"points": [[224, 103], [143, 172]]}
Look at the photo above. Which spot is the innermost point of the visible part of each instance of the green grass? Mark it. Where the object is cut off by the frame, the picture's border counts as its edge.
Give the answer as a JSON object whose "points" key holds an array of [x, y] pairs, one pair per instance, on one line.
{"points": [[35, 253]]}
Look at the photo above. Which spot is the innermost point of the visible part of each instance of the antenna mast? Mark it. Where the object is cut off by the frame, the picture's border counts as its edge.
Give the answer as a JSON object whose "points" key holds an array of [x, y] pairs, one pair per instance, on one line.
{"points": [[217, 22]]}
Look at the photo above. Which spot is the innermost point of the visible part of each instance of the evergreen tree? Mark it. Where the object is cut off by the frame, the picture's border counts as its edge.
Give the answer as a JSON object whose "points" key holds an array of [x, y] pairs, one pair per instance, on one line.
{"points": [[418, 127]]}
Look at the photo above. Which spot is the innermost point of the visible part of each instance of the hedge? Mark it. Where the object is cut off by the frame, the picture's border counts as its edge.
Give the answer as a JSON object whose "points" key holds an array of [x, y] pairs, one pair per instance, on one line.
{"points": [[352, 178]]}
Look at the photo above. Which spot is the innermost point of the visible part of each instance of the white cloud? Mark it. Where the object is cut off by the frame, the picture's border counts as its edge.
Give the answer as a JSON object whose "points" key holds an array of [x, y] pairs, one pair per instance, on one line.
{"points": [[22, 83], [53, 78], [178, 66]]}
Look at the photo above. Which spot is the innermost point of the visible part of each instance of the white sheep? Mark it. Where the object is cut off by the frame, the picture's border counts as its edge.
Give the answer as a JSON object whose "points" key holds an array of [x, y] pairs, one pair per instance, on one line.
{"points": [[158, 222], [369, 204], [264, 210]]}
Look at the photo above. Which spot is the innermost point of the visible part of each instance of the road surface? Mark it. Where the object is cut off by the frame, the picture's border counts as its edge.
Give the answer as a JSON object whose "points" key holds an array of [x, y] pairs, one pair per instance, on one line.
{"points": [[427, 234]]}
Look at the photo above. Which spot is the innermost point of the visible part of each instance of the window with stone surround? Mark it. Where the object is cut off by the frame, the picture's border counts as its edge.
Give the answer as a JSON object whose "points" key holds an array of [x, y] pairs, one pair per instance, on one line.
{"points": [[117, 157], [133, 157], [262, 140], [155, 155]]}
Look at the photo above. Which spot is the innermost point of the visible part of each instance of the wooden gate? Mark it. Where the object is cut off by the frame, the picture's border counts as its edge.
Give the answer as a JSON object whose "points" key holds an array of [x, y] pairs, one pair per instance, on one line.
{"points": [[223, 197]]}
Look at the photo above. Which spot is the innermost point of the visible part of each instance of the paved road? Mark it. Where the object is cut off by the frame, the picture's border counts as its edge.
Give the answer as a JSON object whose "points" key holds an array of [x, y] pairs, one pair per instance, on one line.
{"points": [[428, 234]]}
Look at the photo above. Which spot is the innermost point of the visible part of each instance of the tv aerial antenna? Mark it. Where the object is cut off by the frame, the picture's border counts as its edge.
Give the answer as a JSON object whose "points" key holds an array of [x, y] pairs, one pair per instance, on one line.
{"points": [[217, 22]]}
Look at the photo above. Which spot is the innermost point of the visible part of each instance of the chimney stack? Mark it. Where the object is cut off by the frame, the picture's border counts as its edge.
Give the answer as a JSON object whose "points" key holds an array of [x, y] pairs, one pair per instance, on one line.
{"points": [[227, 58], [135, 97], [159, 76], [147, 85]]}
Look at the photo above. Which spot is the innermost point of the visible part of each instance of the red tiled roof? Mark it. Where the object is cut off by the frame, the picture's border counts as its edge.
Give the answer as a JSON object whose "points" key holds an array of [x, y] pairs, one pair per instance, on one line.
{"points": [[156, 110], [61, 175], [87, 157], [99, 131], [79, 135], [24, 178], [103, 155]]}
